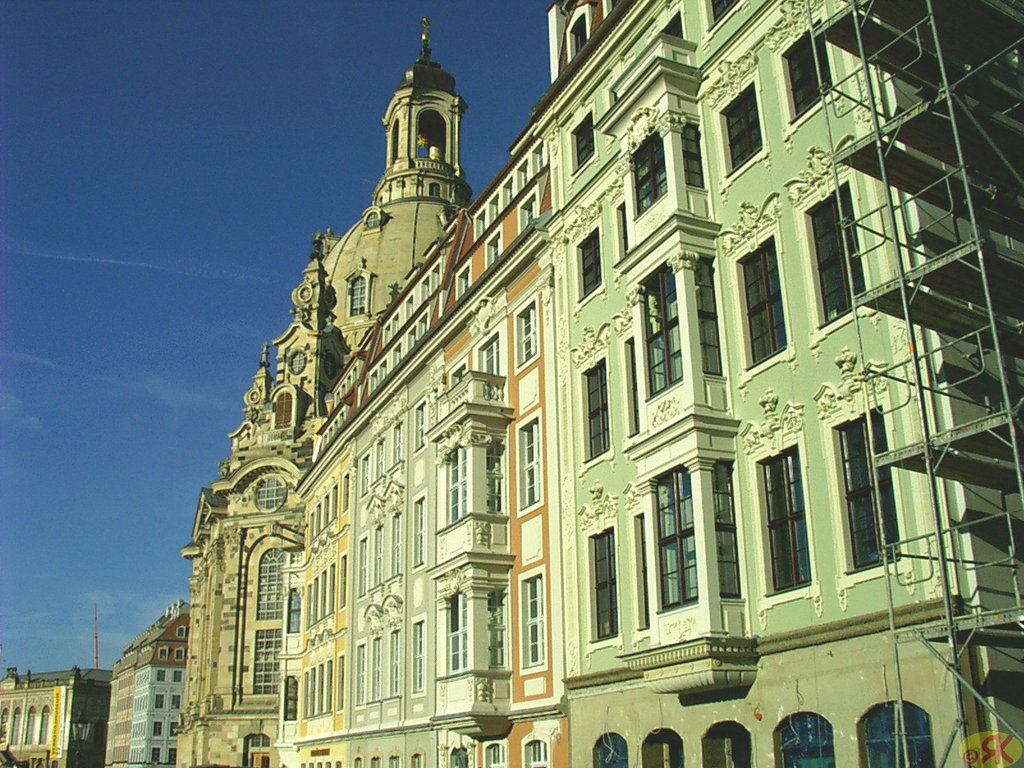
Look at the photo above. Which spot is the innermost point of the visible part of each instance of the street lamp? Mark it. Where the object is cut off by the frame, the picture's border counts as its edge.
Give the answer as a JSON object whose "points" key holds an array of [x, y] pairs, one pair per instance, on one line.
{"points": [[81, 731]]}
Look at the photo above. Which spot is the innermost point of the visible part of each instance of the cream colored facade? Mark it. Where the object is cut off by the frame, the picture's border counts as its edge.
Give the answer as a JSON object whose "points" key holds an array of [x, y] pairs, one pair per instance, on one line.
{"points": [[642, 464]]}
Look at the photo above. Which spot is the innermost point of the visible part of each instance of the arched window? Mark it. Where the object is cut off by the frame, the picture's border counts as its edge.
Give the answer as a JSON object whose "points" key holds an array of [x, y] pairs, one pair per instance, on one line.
{"points": [[459, 758], [283, 410], [256, 750], [30, 726], [269, 599], [357, 296], [726, 745], [44, 725], [373, 220], [16, 726], [611, 751], [494, 756], [431, 135], [394, 141], [434, 190], [804, 740], [662, 749], [883, 747], [5, 716], [537, 754]]}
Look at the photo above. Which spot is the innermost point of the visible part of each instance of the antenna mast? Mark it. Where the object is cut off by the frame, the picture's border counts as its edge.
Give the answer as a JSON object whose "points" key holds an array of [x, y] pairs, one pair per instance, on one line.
{"points": [[95, 639]]}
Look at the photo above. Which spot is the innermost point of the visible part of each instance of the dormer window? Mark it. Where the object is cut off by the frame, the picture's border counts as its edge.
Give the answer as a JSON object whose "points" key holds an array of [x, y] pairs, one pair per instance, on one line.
{"points": [[372, 220], [578, 35], [357, 296]]}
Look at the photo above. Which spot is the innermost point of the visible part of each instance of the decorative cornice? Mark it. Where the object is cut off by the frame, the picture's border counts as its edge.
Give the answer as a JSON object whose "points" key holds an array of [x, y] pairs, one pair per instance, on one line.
{"points": [[809, 182], [794, 22], [600, 513], [776, 429], [592, 345], [840, 399]]}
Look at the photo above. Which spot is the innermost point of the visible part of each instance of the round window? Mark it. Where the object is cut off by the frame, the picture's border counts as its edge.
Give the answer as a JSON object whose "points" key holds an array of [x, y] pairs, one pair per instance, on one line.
{"points": [[270, 493]]}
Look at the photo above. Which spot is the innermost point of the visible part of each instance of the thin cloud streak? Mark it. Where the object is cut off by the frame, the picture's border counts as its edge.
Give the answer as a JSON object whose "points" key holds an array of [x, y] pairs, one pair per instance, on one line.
{"points": [[199, 270]]}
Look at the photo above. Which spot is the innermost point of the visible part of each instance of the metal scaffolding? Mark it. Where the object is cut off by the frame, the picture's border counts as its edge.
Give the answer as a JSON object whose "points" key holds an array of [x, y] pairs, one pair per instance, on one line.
{"points": [[938, 87]]}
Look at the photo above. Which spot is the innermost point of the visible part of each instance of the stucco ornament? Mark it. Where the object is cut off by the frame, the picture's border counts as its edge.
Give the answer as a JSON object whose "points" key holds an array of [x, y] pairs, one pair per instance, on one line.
{"points": [[731, 77], [794, 22], [487, 311], [391, 610], [682, 259], [665, 411], [458, 436], [581, 221], [374, 618], [483, 689], [452, 583], [751, 222], [777, 427], [591, 345], [641, 125], [840, 399], [808, 183], [600, 512]]}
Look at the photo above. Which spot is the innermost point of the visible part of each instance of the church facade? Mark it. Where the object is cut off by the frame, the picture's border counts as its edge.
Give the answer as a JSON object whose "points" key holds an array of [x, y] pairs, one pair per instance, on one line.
{"points": [[675, 442]]}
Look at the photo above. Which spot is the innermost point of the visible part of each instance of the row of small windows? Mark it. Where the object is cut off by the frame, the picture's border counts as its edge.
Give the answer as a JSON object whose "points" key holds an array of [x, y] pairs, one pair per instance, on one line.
{"points": [[31, 731], [156, 755]]}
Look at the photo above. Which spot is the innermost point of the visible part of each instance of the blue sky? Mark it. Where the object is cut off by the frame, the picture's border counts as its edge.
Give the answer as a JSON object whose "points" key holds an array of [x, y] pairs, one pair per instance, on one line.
{"points": [[162, 167]]}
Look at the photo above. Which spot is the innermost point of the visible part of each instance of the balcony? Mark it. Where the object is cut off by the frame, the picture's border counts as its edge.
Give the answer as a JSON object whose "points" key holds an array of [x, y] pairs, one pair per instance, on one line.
{"points": [[475, 704], [706, 665], [477, 535], [476, 397]]}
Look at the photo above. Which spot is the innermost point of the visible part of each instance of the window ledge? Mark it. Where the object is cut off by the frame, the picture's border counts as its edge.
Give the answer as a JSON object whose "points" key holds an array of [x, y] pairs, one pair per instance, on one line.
{"points": [[739, 170]]}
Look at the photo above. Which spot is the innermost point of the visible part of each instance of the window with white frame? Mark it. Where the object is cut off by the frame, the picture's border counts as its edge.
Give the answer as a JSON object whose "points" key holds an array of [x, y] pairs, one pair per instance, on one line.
{"points": [[489, 356], [537, 754], [534, 641], [529, 464], [364, 471], [396, 544], [495, 478], [396, 662], [527, 212], [376, 667], [361, 674], [364, 565], [526, 334], [420, 425], [462, 282], [493, 249], [496, 629], [458, 632], [494, 756], [458, 502], [397, 443], [341, 682], [378, 554], [418, 658], [419, 524]]}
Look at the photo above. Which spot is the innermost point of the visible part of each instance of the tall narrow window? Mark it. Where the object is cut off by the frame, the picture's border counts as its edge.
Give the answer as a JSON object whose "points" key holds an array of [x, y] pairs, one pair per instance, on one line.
{"points": [[495, 478], [396, 662], [621, 220], [529, 464], [533, 615], [420, 424], [376, 668], [378, 554], [579, 35], [396, 545], [650, 180], [707, 318], [458, 632], [693, 163], [677, 549], [496, 629], [661, 330], [590, 263], [418, 658], [526, 334], [419, 521], [265, 665], [640, 558], [787, 526], [397, 443], [490, 358], [283, 410], [606, 599], [803, 82], [361, 674], [634, 387], [725, 531], [331, 579], [364, 565], [457, 486], [743, 127], [719, 7], [357, 296], [596, 380], [291, 698], [270, 589], [537, 754], [764, 303], [294, 611], [869, 511], [342, 581], [833, 276], [583, 140], [328, 685], [341, 683]]}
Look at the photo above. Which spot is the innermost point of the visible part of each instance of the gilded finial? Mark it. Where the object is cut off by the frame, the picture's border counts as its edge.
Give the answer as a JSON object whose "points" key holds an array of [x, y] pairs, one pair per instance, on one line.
{"points": [[425, 39]]}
